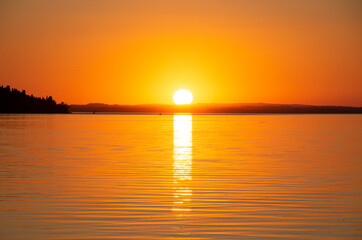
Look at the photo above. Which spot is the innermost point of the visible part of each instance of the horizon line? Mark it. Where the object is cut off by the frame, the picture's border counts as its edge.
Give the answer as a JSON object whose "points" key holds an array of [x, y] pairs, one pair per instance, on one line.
{"points": [[223, 103]]}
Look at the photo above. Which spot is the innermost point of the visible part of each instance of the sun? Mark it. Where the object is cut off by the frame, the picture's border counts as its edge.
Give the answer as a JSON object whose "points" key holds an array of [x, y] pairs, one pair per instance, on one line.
{"points": [[182, 96]]}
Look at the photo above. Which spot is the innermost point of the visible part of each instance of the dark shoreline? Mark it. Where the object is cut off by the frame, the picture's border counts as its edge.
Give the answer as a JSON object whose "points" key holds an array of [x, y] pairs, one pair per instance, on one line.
{"points": [[15, 101], [217, 109]]}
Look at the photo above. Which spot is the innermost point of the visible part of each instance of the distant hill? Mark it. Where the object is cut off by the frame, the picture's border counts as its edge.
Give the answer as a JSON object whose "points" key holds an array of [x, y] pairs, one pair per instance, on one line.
{"points": [[14, 101], [215, 108]]}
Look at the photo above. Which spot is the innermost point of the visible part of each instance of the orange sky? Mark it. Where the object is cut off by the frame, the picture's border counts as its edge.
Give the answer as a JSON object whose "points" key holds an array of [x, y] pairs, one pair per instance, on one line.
{"points": [[138, 51]]}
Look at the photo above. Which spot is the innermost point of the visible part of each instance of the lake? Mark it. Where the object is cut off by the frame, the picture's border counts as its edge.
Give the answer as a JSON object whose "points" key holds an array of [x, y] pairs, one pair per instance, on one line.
{"points": [[119, 176]]}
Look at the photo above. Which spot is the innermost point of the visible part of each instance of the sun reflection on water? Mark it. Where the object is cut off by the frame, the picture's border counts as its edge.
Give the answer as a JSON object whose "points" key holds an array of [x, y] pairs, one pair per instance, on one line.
{"points": [[182, 162]]}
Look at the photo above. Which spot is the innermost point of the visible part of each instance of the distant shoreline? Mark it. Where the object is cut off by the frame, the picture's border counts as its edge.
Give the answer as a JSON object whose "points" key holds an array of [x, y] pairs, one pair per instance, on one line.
{"points": [[15, 101], [205, 114], [241, 108]]}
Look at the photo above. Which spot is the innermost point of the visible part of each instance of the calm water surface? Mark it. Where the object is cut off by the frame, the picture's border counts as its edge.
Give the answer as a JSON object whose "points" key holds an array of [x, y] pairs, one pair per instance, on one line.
{"points": [[84, 176]]}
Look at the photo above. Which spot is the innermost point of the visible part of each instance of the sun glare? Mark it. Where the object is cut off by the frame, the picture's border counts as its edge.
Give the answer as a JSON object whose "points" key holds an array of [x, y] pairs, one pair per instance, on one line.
{"points": [[182, 96]]}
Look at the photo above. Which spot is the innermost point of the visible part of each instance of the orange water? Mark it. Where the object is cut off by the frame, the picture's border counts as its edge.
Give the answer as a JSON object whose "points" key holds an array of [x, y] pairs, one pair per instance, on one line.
{"points": [[110, 176]]}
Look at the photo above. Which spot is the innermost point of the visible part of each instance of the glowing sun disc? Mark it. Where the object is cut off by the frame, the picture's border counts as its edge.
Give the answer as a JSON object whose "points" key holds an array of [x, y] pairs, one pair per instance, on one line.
{"points": [[182, 96]]}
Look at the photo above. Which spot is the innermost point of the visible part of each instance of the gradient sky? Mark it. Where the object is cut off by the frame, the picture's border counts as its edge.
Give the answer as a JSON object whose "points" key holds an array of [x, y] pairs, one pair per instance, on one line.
{"points": [[138, 51]]}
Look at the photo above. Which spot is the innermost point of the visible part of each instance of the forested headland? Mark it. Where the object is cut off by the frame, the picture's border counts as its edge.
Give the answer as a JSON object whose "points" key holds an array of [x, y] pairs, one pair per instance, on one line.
{"points": [[14, 101]]}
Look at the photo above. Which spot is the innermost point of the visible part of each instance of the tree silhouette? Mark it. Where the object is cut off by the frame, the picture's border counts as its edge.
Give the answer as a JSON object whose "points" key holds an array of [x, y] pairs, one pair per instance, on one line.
{"points": [[14, 101]]}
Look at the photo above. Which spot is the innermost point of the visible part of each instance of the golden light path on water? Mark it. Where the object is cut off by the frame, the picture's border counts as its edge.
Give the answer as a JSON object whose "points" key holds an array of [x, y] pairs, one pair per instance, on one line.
{"points": [[182, 162]]}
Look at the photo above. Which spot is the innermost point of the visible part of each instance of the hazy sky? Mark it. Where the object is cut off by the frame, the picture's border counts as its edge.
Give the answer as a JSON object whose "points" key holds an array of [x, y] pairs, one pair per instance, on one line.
{"points": [[131, 52]]}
